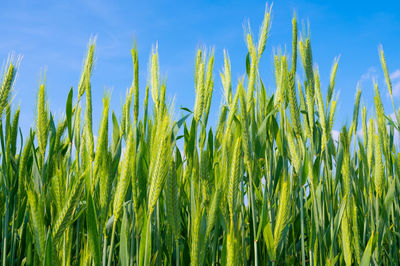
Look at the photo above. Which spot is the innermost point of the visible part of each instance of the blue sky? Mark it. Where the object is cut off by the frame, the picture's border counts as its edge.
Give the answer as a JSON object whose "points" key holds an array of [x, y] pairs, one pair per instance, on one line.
{"points": [[52, 36]]}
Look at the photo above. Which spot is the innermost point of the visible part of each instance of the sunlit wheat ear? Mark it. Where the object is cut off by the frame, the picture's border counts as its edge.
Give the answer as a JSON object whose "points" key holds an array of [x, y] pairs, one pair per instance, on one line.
{"points": [[244, 124], [282, 217], [346, 238], [294, 46], [332, 80], [155, 76], [135, 83], [265, 27], [36, 216], [320, 101], [380, 115], [294, 150], [226, 78], [294, 108], [200, 89], [253, 69], [172, 202], [6, 86], [279, 97], [212, 211], [195, 231], [306, 56], [160, 162], [385, 70], [88, 119], [42, 120], [345, 139], [303, 107], [356, 111], [87, 68], [331, 117], [77, 128], [124, 178], [209, 86], [102, 140], [234, 178], [65, 217], [23, 167], [14, 131]]}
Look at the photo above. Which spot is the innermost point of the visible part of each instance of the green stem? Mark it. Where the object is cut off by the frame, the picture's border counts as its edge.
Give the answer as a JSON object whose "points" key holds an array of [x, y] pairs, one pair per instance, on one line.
{"points": [[303, 255], [177, 256], [5, 235], [146, 253], [110, 255], [253, 213], [133, 236], [158, 232], [104, 249]]}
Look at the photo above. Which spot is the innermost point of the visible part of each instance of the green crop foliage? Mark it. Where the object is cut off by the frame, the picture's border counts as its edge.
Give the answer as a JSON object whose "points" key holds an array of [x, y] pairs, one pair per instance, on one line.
{"points": [[267, 185]]}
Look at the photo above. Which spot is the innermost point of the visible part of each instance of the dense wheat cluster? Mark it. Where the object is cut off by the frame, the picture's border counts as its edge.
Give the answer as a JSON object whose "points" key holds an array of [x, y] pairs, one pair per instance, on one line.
{"points": [[268, 185]]}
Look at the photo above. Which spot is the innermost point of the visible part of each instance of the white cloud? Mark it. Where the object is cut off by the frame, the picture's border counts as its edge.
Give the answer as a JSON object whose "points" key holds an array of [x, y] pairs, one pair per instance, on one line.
{"points": [[370, 75], [395, 74], [395, 77]]}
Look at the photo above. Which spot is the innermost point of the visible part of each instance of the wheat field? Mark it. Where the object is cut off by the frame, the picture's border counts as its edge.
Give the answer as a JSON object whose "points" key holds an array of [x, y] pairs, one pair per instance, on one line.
{"points": [[267, 185]]}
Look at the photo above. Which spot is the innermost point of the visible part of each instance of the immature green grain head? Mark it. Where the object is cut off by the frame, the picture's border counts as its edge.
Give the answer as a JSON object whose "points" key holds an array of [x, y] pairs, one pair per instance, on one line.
{"points": [[155, 76], [253, 68], [102, 140], [233, 191], [226, 78], [37, 220], [42, 120], [6, 86], [135, 83], [200, 89], [161, 153], [124, 178], [385, 70], [244, 124], [332, 80], [282, 217], [172, 202], [87, 68], [306, 56], [346, 238], [265, 26], [294, 108], [294, 45]]}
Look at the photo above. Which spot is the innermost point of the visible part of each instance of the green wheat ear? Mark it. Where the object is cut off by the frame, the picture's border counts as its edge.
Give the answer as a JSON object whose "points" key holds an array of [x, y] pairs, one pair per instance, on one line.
{"points": [[265, 27], [155, 76], [135, 83], [124, 178], [282, 217], [42, 120], [87, 68], [6, 86]]}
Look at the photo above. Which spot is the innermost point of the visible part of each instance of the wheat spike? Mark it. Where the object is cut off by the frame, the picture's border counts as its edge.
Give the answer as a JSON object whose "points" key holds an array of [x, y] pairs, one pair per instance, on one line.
{"points": [[282, 217]]}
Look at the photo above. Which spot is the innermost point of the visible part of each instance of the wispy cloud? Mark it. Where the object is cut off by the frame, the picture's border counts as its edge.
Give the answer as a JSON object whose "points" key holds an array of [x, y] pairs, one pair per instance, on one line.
{"points": [[369, 76], [395, 77]]}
